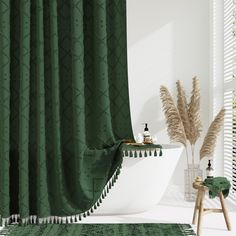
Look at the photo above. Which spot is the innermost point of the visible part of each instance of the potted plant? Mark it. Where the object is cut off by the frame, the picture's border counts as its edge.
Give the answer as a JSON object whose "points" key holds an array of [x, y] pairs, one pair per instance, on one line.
{"points": [[184, 125]]}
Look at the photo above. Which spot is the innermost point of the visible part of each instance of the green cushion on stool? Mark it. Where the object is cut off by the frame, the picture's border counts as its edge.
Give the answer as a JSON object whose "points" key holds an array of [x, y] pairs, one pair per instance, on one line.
{"points": [[217, 185]]}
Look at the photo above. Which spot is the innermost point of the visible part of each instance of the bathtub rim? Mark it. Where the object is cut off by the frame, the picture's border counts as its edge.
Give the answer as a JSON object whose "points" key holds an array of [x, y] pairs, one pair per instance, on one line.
{"points": [[172, 146]]}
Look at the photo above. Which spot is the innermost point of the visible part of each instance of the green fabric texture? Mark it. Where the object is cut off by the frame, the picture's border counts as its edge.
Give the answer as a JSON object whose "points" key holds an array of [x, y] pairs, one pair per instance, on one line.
{"points": [[101, 230], [64, 104], [217, 185]]}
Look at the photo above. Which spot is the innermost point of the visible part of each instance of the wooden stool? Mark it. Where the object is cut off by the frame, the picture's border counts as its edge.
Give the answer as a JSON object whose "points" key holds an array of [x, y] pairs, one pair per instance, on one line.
{"points": [[200, 210]]}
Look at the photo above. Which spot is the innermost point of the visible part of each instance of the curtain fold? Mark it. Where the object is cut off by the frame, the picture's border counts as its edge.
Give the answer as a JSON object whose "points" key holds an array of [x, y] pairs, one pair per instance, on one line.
{"points": [[64, 104], [5, 105], [24, 104]]}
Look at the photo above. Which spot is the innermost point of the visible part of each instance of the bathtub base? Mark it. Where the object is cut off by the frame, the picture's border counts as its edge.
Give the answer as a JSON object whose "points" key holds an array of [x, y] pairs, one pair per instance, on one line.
{"points": [[141, 183]]}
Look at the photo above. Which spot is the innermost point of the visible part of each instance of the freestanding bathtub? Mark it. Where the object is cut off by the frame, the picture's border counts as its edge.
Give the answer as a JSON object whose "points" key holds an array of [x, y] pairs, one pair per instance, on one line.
{"points": [[141, 183]]}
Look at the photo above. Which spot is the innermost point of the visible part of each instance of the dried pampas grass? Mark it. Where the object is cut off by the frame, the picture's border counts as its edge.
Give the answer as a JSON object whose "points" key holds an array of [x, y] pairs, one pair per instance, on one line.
{"points": [[174, 123], [194, 113], [182, 106], [209, 143], [184, 123]]}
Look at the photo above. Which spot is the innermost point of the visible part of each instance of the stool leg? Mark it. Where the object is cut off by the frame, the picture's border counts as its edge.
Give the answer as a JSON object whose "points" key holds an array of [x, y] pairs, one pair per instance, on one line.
{"points": [[202, 195], [196, 208], [225, 211]]}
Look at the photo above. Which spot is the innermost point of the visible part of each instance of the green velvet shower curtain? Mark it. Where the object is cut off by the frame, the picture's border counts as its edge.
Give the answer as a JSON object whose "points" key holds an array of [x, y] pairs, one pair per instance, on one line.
{"points": [[64, 105]]}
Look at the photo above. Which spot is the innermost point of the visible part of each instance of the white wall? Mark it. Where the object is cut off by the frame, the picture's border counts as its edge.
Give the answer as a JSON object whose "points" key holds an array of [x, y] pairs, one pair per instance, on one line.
{"points": [[167, 40]]}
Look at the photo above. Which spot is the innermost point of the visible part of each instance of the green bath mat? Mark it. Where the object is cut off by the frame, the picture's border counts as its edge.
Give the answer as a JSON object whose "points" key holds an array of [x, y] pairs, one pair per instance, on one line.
{"points": [[99, 230]]}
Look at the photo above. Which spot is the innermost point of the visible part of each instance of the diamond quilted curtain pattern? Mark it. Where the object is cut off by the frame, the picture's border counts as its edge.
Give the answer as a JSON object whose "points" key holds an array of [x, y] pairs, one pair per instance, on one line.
{"points": [[64, 105]]}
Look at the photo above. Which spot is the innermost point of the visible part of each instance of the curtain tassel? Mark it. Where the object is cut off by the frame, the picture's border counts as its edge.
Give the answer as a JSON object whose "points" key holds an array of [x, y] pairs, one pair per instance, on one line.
{"points": [[76, 218], [126, 153], [140, 154], [155, 153], [160, 154]]}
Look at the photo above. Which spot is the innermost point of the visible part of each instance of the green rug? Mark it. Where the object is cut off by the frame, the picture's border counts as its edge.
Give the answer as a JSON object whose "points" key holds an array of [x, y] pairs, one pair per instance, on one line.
{"points": [[99, 230]]}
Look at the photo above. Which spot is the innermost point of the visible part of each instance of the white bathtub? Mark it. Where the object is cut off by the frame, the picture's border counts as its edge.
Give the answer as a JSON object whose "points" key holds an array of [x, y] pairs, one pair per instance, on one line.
{"points": [[141, 183]]}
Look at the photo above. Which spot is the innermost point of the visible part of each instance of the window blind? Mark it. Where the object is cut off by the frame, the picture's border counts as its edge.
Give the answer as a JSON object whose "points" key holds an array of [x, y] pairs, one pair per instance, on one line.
{"points": [[230, 92]]}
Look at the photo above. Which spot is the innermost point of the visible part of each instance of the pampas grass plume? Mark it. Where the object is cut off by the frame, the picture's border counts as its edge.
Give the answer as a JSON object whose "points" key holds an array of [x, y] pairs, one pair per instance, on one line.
{"points": [[175, 126], [209, 143]]}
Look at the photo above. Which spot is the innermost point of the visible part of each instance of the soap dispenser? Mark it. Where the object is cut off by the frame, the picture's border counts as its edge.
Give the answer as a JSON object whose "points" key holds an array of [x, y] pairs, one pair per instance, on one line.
{"points": [[147, 139], [209, 170]]}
